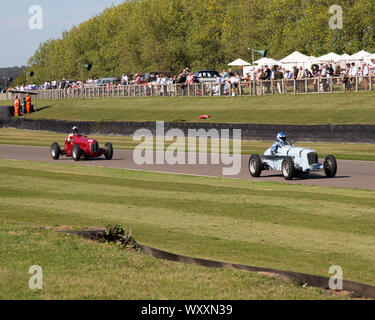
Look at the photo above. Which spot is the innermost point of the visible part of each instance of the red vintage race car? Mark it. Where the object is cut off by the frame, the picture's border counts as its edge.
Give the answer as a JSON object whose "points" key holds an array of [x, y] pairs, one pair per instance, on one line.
{"points": [[79, 146]]}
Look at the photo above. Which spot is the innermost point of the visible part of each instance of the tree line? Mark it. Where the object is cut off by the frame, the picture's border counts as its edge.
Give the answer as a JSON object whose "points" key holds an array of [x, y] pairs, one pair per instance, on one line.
{"points": [[152, 35], [7, 75]]}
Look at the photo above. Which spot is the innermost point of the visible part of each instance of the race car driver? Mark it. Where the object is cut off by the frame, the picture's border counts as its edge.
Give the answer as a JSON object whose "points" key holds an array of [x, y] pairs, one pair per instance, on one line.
{"points": [[74, 132], [280, 142]]}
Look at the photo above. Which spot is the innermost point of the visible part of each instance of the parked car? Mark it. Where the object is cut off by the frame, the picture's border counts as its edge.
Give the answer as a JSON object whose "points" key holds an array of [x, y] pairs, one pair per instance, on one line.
{"points": [[151, 76], [205, 75], [291, 161], [80, 146], [103, 82]]}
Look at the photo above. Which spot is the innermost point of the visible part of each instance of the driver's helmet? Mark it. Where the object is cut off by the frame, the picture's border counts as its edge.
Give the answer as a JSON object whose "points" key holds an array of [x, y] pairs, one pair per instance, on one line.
{"points": [[75, 130], [281, 138]]}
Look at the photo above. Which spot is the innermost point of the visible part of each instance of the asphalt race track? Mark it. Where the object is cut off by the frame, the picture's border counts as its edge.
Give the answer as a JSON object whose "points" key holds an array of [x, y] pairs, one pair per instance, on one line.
{"points": [[350, 174]]}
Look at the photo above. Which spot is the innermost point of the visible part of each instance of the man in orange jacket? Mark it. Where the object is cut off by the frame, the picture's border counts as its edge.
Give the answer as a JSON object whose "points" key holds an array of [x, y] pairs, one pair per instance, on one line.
{"points": [[28, 103], [17, 104]]}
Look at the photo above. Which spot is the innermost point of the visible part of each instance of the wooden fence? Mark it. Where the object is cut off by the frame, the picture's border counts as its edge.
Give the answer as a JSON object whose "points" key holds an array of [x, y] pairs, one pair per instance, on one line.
{"points": [[209, 89]]}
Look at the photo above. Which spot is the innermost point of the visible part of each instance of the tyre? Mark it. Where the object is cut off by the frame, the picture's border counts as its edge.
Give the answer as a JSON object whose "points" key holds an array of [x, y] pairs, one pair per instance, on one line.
{"points": [[330, 166], [108, 151], [77, 152], [287, 169], [255, 166], [55, 151]]}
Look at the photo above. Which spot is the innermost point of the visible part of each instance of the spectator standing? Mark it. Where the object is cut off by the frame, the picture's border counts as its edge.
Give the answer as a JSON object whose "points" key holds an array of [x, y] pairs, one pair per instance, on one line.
{"points": [[278, 76], [124, 79], [224, 74], [47, 85], [330, 74], [181, 80], [300, 80], [261, 76], [353, 74], [267, 77], [294, 77], [216, 86], [28, 103], [17, 105], [323, 76], [365, 74], [337, 70], [234, 84]]}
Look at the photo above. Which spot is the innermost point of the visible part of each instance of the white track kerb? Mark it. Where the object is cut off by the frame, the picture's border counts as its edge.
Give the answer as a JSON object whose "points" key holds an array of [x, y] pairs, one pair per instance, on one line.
{"points": [[183, 150]]}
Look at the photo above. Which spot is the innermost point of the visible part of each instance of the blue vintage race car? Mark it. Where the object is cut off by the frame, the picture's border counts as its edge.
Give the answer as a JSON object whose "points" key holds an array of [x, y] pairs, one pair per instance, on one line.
{"points": [[291, 161]]}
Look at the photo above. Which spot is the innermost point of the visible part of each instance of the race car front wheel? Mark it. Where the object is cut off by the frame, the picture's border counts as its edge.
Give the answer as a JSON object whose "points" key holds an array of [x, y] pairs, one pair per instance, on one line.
{"points": [[77, 152], [288, 169], [330, 166], [255, 166], [55, 151]]}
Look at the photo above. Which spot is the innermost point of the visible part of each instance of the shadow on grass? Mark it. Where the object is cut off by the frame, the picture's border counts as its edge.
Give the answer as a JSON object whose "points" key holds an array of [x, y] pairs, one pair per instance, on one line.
{"points": [[42, 108]]}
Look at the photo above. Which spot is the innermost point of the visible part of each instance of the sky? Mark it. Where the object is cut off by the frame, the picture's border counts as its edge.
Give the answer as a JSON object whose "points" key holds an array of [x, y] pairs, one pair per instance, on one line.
{"points": [[19, 42]]}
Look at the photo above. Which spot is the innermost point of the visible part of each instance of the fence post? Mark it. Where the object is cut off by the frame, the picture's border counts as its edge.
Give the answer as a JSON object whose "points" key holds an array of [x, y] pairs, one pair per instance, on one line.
{"points": [[306, 86], [370, 87], [331, 86], [356, 83], [294, 86], [318, 84]]}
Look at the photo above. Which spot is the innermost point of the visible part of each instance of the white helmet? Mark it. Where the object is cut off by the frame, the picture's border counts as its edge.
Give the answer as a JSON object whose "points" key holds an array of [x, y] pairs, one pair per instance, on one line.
{"points": [[75, 129]]}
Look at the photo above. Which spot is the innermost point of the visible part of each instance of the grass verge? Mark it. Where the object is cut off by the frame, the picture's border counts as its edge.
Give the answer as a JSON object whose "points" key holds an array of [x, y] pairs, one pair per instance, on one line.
{"points": [[289, 227], [74, 268], [346, 108]]}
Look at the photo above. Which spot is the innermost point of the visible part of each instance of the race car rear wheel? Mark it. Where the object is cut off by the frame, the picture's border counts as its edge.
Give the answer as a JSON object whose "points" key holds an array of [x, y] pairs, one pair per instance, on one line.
{"points": [[77, 152], [330, 166], [108, 151], [255, 166], [287, 169], [55, 151]]}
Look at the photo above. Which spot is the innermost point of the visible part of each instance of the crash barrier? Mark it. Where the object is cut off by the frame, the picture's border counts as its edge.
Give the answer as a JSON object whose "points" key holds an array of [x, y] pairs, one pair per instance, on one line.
{"points": [[357, 289], [316, 85], [6, 112], [323, 133]]}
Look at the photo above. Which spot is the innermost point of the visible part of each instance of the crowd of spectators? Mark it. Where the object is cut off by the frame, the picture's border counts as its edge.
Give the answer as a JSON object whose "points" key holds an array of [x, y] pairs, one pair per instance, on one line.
{"points": [[322, 76], [62, 84], [260, 79]]}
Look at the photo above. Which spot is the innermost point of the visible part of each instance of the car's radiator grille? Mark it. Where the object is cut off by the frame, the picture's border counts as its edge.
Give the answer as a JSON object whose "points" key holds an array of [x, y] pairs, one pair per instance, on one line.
{"points": [[94, 147], [312, 157]]}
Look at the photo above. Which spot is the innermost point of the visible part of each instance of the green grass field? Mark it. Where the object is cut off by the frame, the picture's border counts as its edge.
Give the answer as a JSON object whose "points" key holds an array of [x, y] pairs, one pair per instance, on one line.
{"points": [[289, 227], [347, 108], [77, 269], [347, 151]]}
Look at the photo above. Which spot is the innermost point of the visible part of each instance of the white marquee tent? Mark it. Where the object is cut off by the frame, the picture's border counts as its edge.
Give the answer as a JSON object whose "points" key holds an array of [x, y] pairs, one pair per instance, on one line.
{"points": [[266, 61], [327, 57], [296, 59], [238, 63], [344, 57], [361, 55]]}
